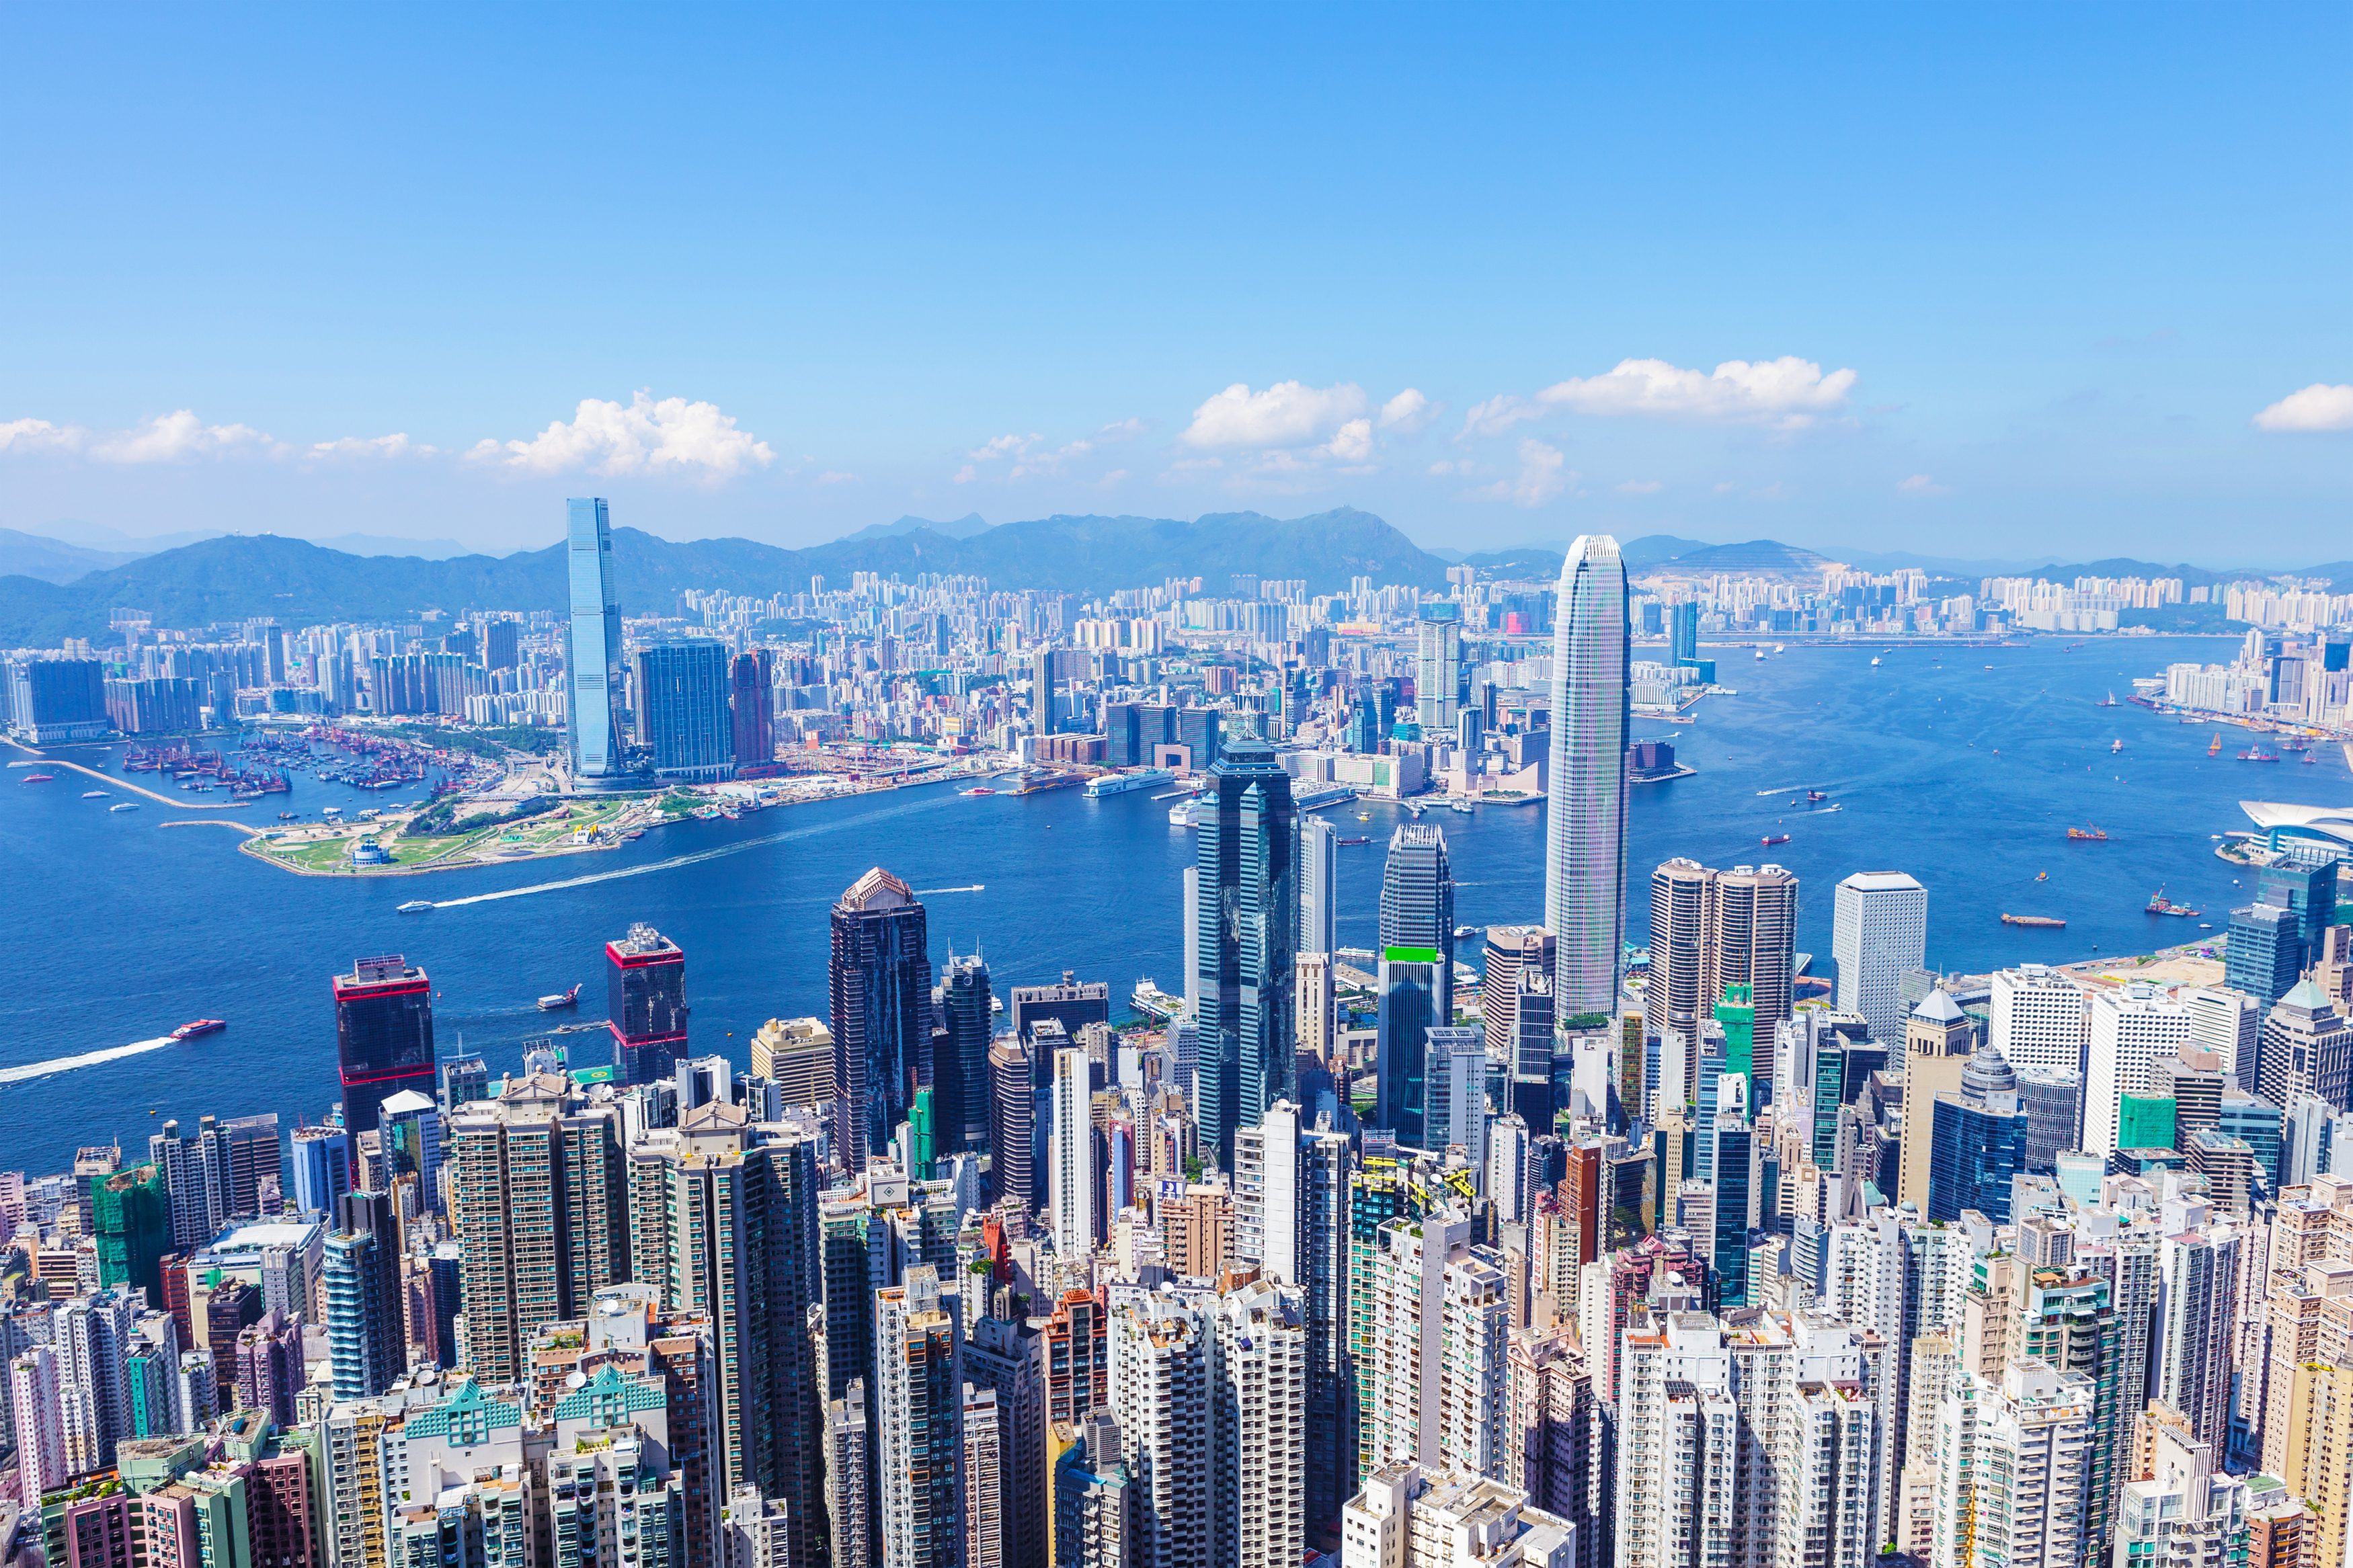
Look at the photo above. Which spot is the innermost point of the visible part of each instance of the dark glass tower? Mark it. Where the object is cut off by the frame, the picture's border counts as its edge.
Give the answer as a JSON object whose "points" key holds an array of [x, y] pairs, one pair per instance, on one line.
{"points": [[880, 979], [1977, 1143], [645, 998], [749, 677], [1416, 972], [960, 1082], [1248, 939], [384, 1035], [683, 720]]}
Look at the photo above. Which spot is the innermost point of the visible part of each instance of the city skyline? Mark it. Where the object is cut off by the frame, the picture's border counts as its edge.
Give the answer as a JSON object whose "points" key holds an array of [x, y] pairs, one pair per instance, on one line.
{"points": [[2088, 324]]}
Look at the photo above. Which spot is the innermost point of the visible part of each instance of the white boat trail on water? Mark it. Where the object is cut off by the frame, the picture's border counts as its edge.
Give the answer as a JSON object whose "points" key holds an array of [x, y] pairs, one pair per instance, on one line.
{"points": [[699, 855], [87, 1060]]}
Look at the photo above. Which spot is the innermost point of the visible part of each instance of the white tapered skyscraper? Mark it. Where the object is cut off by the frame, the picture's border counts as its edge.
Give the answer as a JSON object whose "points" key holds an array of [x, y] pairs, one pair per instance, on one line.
{"points": [[1585, 827]]}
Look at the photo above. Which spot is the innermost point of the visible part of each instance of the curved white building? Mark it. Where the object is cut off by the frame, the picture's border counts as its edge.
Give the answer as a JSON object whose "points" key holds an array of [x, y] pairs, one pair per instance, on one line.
{"points": [[1585, 806], [2328, 827]]}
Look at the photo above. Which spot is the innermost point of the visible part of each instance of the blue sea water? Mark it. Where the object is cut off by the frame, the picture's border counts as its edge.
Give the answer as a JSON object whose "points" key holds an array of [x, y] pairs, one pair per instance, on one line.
{"points": [[119, 930]]}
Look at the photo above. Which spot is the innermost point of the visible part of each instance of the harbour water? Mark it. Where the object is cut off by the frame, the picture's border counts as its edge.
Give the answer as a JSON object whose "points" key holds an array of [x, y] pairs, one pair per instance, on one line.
{"points": [[120, 929]]}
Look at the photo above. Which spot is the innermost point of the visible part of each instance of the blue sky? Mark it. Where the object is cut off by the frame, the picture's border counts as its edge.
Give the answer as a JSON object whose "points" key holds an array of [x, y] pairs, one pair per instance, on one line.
{"points": [[1986, 282]]}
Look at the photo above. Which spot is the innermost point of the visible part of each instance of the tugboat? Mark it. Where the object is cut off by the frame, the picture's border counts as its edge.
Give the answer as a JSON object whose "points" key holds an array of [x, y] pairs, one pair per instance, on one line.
{"points": [[2159, 904], [560, 1000]]}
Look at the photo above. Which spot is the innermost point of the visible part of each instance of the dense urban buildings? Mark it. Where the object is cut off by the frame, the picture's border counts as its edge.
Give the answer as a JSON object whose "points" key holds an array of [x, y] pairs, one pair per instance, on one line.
{"points": [[1509, 1247]]}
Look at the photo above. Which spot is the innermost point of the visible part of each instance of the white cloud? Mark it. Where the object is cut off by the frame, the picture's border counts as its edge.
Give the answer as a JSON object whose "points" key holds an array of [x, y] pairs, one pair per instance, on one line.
{"points": [[1786, 393], [1351, 443], [1641, 487], [835, 476], [671, 435], [2319, 407], [40, 436], [1923, 485], [1122, 430], [1003, 445], [394, 446], [178, 434], [966, 474], [1497, 414], [1543, 475], [1408, 413], [1028, 457], [1287, 413], [1114, 477]]}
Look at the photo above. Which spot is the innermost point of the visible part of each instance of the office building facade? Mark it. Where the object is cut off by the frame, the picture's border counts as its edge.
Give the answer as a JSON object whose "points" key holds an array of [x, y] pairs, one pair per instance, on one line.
{"points": [[1248, 928], [1585, 813], [593, 671], [1879, 931], [683, 719], [644, 985], [384, 1035], [879, 975]]}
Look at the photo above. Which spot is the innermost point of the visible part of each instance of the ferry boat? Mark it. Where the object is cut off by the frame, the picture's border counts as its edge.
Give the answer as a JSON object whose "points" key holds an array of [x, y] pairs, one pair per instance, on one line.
{"points": [[561, 999], [2159, 904], [1772, 838], [201, 1027], [1120, 784], [1185, 813], [977, 789], [2095, 834], [416, 906], [2039, 920]]}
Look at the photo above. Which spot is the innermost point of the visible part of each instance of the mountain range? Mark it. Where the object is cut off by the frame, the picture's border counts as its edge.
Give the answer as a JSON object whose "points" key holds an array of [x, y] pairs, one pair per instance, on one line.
{"points": [[56, 590]]}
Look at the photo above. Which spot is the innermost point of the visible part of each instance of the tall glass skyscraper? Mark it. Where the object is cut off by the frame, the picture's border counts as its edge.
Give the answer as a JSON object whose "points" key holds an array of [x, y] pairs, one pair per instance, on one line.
{"points": [[1584, 808], [1417, 973], [1248, 934], [880, 979], [682, 714], [1437, 666], [592, 651]]}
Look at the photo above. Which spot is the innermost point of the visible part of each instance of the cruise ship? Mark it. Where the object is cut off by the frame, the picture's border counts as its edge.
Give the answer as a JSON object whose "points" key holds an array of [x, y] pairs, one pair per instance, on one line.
{"points": [[1120, 784]]}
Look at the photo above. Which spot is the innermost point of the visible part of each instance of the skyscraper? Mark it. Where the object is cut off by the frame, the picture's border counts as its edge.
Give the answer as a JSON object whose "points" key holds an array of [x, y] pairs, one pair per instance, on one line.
{"points": [[1585, 810], [1438, 670], [1417, 973], [1711, 930], [683, 721], [750, 679], [360, 1280], [1075, 1157], [1879, 929], [919, 1420], [593, 671], [1318, 884], [880, 979], [1249, 928], [645, 982], [384, 1035], [960, 1072]]}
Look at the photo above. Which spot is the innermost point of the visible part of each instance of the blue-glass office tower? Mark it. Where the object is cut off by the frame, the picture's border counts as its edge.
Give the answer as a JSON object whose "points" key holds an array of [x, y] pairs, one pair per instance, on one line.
{"points": [[2266, 951], [683, 718], [1976, 1141], [2306, 885], [1585, 806], [1417, 973], [1247, 939], [592, 649], [960, 1080], [1683, 631], [1739, 1182], [880, 976]]}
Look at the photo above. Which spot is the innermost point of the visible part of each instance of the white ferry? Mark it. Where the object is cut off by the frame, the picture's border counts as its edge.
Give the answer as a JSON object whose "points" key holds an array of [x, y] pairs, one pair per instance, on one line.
{"points": [[1120, 784]]}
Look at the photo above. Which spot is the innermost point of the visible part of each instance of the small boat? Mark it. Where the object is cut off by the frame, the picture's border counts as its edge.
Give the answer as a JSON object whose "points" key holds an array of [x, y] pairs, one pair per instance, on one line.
{"points": [[1347, 841], [2108, 701], [1772, 838], [2095, 834], [93, 794], [2256, 754], [285, 817], [416, 906], [1875, 661], [201, 1027], [1363, 816], [1760, 656], [126, 805], [2159, 904], [2216, 748], [1464, 805], [976, 790], [37, 778], [561, 999], [2038, 921], [2119, 745], [2043, 876], [1814, 794]]}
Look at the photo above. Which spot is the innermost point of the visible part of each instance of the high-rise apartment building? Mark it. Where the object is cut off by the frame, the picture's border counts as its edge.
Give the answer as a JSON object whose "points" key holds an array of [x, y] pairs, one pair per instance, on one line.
{"points": [[1292, 1184], [542, 1214], [1076, 1156], [881, 976], [682, 689], [1753, 1446], [2014, 1458], [1879, 931], [1160, 1396], [367, 1343], [1416, 974], [1584, 819], [1258, 1431], [644, 998], [384, 1035], [1441, 1322], [1516, 1005], [594, 675], [1711, 930], [919, 1422], [1248, 930], [1412, 1516]]}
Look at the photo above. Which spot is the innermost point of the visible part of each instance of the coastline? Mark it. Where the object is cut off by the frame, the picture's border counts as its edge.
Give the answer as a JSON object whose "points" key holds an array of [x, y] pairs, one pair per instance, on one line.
{"points": [[48, 762]]}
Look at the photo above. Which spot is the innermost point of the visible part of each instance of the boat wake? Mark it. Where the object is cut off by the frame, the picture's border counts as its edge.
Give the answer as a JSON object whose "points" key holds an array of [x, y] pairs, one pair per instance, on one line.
{"points": [[700, 856], [1793, 789], [87, 1060]]}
